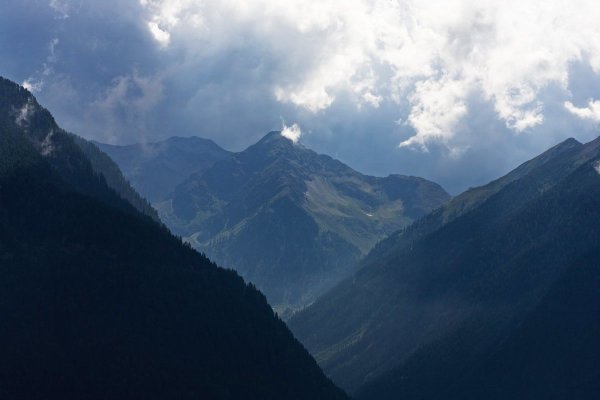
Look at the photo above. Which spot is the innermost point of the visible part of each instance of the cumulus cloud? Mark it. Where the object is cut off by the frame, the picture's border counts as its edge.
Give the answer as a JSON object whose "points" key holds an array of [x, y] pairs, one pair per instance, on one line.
{"points": [[470, 82], [161, 36], [433, 57], [437, 105], [591, 112], [292, 133]]}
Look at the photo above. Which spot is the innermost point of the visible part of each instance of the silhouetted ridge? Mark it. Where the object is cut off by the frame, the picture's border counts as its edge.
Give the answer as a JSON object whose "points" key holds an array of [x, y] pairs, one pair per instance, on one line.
{"points": [[76, 160], [100, 302]]}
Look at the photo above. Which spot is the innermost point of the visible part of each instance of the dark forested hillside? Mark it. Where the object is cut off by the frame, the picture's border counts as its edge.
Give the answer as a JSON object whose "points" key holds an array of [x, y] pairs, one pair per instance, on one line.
{"points": [[451, 306], [100, 302], [290, 220], [104, 165], [73, 157]]}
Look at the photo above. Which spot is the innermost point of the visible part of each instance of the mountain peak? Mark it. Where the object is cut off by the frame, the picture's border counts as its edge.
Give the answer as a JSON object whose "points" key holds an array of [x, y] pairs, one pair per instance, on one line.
{"points": [[274, 137], [570, 141], [290, 134], [290, 220], [275, 143]]}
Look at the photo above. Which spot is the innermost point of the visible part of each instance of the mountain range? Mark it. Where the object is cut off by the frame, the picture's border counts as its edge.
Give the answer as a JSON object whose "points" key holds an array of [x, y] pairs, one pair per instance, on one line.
{"points": [[155, 169], [99, 301], [398, 291], [289, 220], [494, 295]]}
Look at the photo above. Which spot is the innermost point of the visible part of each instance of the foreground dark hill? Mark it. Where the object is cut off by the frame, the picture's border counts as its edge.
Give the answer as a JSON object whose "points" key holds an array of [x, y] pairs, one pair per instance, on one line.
{"points": [[492, 296], [19, 110], [79, 159], [290, 220], [100, 302], [102, 164], [155, 169]]}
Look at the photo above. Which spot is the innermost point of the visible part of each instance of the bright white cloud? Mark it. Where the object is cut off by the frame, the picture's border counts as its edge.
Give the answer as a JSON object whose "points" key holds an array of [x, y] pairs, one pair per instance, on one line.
{"points": [[32, 84], [431, 56], [591, 112], [293, 132], [161, 36], [437, 106]]}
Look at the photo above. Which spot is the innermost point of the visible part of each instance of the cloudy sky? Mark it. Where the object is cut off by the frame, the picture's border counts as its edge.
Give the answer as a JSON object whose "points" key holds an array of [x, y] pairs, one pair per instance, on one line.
{"points": [[456, 91]]}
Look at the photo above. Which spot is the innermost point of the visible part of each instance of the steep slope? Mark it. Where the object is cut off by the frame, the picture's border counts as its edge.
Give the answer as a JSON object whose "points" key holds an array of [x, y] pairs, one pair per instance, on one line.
{"points": [[474, 197], [439, 297], [554, 354], [99, 301], [291, 221], [553, 351], [104, 165], [155, 169], [19, 110]]}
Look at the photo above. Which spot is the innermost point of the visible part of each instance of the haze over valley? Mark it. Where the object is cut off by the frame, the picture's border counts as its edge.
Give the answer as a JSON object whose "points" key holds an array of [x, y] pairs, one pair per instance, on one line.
{"points": [[266, 200], [291, 221]]}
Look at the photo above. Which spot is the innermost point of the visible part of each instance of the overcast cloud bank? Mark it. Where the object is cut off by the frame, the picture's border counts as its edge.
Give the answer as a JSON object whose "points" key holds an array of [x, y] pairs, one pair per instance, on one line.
{"points": [[430, 87]]}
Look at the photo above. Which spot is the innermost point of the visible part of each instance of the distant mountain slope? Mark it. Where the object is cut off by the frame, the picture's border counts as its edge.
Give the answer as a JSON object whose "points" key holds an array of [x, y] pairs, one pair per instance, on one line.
{"points": [[155, 169], [474, 197], [435, 302], [291, 221], [100, 302]]}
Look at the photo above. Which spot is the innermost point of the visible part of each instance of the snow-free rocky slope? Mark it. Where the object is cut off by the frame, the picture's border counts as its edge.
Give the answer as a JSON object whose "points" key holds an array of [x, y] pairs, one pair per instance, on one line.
{"points": [[292, 221]]}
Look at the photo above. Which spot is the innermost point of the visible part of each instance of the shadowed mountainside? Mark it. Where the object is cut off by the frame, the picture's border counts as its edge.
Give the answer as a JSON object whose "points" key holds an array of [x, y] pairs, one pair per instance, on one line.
{"points": [[437, 306], [99, 301]]}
